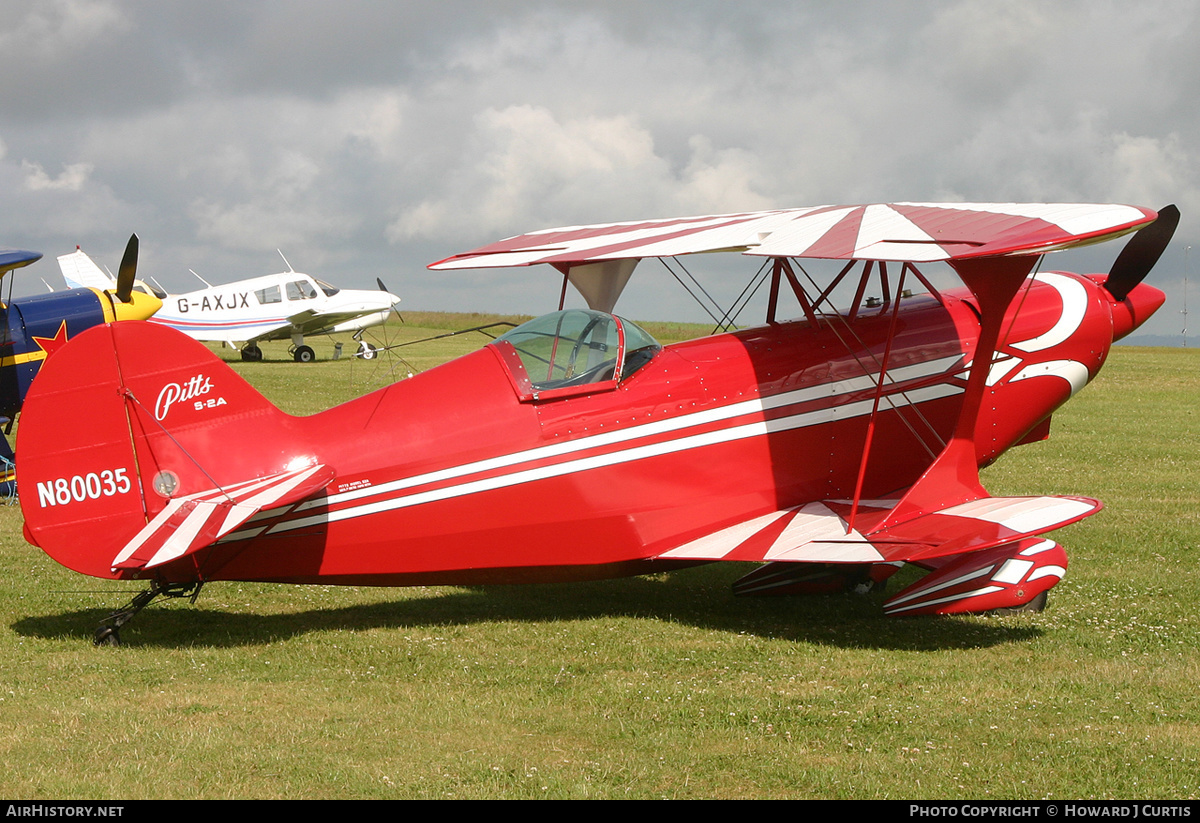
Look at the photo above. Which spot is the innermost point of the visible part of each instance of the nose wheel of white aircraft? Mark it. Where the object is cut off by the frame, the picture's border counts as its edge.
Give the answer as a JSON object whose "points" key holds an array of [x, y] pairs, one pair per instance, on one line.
{"points": [[252, 354], [109, 633], [304, 354], [366, 351]]}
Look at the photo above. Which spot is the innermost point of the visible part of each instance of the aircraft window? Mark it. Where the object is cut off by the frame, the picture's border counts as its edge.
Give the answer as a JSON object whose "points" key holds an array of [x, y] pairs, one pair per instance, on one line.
{"points": [[577, 348], [300, 290], [329, 290], [638, 358], [268, 295], [640, 348]]}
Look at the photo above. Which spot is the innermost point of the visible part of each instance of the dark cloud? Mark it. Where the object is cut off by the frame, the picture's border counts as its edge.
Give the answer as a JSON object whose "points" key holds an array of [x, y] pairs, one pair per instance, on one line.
{"points": [[371, 138]]}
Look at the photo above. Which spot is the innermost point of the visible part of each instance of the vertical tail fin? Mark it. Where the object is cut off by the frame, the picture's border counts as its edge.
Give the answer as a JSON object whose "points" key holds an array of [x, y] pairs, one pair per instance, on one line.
{"points": [[81, 273], [130, 419]]}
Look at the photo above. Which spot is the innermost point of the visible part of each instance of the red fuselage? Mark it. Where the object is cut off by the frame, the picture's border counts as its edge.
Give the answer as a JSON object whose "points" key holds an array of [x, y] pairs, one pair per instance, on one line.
{"points": [[457, 475], [450, 477]]}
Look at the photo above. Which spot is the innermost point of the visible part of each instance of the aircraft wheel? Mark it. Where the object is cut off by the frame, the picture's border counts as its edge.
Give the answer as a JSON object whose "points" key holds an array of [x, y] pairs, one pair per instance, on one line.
{"points": [[1037, 604], [868, 586], [106, 636], [367, 352], [252, 354], [304, 354]]}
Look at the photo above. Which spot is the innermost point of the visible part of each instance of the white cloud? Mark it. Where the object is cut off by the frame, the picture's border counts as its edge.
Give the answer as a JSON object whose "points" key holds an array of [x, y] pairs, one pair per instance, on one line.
{"points": [[50, 30], [389, 135], [284, 207], [1150, 170], [529, 169], [72, 178]]}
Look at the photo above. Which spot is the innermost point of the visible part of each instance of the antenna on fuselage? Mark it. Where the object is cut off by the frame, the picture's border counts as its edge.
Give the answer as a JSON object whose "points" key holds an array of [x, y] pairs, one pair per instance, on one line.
{"points": [[201, 279], [1187, 253], [285, 262]]}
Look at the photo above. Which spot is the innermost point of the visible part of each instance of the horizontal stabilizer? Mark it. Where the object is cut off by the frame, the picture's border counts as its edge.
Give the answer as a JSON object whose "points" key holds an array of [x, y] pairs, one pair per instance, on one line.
{"points": [[188, 524], [819, 533]]}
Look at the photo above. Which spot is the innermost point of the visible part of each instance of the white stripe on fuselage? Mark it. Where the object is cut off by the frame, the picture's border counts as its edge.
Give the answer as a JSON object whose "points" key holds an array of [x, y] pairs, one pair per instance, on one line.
{"points": [[943, 366], [687, 421]]}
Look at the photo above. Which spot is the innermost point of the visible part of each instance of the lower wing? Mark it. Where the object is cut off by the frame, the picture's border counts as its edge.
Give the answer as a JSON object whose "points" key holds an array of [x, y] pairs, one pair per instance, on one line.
{"points": [[983, 554]]}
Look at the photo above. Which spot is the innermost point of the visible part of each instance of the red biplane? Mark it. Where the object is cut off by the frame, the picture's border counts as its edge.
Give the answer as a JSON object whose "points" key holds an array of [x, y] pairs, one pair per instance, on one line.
{"points": [[833, 448]]}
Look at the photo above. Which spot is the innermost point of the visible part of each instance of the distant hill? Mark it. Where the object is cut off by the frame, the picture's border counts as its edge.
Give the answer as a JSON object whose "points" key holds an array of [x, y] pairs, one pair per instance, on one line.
{"points": [[1168, 340]]}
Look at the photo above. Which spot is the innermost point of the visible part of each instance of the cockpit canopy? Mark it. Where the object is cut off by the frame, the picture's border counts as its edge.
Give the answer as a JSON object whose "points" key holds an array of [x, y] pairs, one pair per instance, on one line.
{"points": [[572, 352]]}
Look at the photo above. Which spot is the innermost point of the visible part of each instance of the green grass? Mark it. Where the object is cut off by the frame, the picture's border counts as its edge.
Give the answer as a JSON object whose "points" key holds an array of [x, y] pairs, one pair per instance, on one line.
{"points": [[665, 686]]}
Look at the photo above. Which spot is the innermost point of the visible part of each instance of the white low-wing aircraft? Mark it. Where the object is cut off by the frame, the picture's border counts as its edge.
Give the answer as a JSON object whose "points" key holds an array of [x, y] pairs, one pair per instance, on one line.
{"points": [[247, 312]]}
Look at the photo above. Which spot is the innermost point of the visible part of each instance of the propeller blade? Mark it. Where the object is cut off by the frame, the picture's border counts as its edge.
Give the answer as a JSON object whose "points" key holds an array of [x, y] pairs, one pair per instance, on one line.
{"points": [[383, 288], [128, 270], [1141, 253]]}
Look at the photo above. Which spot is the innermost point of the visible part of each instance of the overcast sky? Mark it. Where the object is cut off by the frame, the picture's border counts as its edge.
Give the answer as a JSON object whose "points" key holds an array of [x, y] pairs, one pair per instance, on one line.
{"points": [[367, 139]]}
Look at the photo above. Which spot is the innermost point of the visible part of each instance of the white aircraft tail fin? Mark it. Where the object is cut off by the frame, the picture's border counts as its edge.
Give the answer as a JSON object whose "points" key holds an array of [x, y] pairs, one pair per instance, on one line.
{"points": [[81, 273]]}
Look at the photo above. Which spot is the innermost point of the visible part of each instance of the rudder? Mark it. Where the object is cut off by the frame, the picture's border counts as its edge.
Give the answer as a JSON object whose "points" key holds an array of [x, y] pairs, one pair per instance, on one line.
{"points": [[125, 418]]}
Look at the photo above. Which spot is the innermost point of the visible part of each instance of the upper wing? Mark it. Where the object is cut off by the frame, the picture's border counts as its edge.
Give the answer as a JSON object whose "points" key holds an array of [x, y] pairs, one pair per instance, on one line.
{"points": [[912, 232], [81, 273], [16, 258], [611, 241]]}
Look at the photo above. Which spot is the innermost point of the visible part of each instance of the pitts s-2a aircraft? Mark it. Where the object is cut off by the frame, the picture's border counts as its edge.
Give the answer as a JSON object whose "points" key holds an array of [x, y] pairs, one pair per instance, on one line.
{"points": [[833, 448], [282, 306]]}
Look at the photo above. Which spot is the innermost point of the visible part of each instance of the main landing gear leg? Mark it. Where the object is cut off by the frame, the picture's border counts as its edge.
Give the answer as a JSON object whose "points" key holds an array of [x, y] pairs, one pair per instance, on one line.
{"points": [[109, 632], [300, 352]]}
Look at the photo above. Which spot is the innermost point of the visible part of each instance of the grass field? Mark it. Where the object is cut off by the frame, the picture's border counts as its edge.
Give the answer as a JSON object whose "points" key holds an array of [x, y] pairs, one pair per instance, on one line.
{"points": [[650, 687]]}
